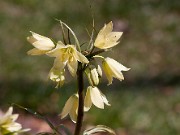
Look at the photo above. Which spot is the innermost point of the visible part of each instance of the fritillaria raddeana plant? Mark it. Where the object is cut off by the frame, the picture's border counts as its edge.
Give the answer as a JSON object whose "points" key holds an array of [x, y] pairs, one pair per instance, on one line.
{"points": [[81, 61]]}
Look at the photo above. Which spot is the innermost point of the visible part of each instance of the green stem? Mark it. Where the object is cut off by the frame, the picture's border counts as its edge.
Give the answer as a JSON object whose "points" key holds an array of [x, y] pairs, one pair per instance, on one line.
{"points": [[81, 99]]}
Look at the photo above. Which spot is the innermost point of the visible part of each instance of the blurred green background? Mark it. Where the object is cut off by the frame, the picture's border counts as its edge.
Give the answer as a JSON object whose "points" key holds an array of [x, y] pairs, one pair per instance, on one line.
{"points": [[147, 102]]}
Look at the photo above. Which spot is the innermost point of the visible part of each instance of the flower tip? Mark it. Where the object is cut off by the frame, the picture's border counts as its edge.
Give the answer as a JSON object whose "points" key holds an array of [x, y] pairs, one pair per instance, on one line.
{"points": [[29, 53], [86, 109], [31, 32], [128, 69], [27, 38]]}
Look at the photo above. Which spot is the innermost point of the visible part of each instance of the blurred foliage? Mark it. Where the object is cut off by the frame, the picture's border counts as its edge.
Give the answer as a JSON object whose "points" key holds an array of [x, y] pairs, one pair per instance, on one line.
{"points": [[148, 111], [149, 46]]}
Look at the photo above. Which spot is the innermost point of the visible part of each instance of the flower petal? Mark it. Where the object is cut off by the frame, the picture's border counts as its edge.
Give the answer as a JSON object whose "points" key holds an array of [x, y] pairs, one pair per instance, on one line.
{"points": [[116, 64], [114, 36], [80, 57], [107, 72], [40, 42], [96, 97], [57, 76], [58, 64], [7, 116], [68, 106], [87, 101], [106, 38], [36, 51], [13, 127], [72, 67], [99, 70], [105, 99], [73, 111], [14, 117], [94, 76], [106, 29]]}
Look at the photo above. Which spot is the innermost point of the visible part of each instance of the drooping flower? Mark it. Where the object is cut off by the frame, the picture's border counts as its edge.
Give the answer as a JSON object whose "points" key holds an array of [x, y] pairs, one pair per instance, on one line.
{"points": [[67, 55], [8, 126], [41, 43], [96, 97], [112, 69], [57, 76], [106, 38], [71, 108]]}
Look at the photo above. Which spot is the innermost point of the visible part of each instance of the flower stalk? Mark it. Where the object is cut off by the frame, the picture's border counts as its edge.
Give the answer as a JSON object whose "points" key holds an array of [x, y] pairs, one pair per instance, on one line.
{"points": [[81, 99]]}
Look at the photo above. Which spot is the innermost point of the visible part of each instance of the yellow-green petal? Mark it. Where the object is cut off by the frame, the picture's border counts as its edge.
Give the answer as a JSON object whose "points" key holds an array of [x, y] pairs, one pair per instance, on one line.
{"points": [[87, 101], [72, 67], [73, 111], [68, 106], [36, 51], [107, 72]]}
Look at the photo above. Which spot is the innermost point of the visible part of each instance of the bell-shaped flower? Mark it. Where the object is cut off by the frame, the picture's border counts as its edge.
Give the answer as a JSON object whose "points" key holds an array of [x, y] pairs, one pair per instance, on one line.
{"points": [[42, 44], [67, 55], [71, 108], [112, 69], [96, 97], [8, 124], [57, 76], [106, 38]]}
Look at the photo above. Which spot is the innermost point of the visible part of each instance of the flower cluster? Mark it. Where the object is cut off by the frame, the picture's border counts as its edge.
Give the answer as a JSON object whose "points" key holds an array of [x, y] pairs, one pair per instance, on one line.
{"points": [[8, 126], [70, 55]]}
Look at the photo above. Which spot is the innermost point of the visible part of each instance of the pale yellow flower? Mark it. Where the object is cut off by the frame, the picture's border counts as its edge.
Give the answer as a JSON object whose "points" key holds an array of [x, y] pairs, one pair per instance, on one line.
{"points": [[112, 69], [71, 108], [106, 38], [93, 76], [96, 97], [67, 55], [57, 76], [8, 124], [42, 44]]}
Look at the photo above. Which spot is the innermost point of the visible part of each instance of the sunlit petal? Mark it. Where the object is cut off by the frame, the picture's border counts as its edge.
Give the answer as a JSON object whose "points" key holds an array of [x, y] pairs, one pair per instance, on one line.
{"points": [[112, 69], [40, 42], [106, 38], [80, 57], [106, 29], [99, 70], [94, 76], [13, 127], [116, 64], [87, 101], [57, 52], [96, 97], [8, 124]]}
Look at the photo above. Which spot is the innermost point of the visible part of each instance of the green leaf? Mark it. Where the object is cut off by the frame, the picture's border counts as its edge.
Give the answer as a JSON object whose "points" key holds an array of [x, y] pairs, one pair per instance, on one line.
{"points": [[99, 128]]}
